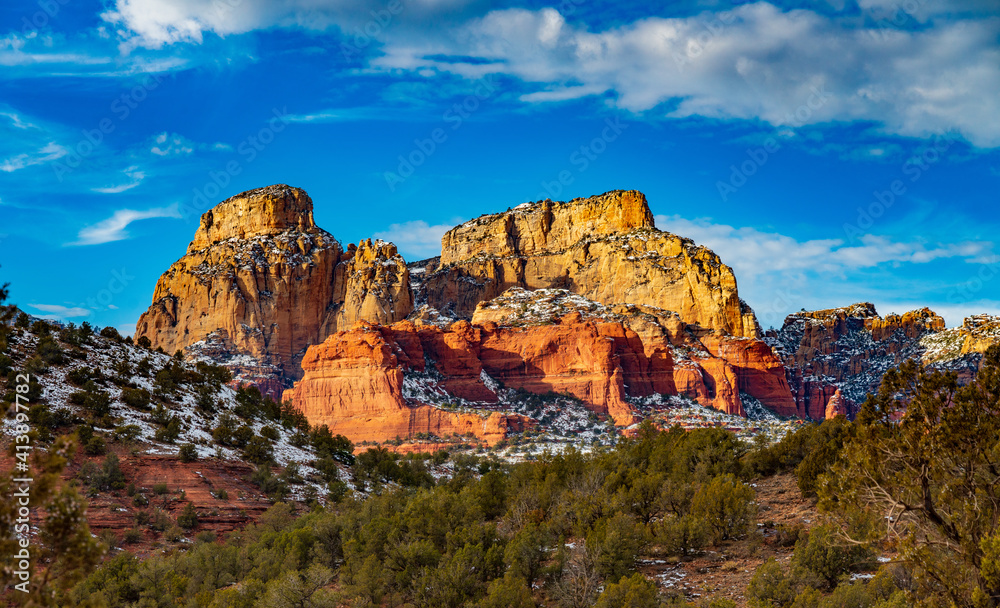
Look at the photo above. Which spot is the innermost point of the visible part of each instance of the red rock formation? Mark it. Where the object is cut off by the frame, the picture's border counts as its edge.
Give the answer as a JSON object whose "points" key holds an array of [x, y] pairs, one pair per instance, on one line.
{"points": [[758, 370], [847, 350], [353, 383], [261, 274]]}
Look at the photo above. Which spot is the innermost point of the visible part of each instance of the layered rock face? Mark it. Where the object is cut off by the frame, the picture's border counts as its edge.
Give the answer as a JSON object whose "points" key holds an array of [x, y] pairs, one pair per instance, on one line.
{"points": [[261, 276], [844, 352], [605, 248], [540, 341], [353, 383]]}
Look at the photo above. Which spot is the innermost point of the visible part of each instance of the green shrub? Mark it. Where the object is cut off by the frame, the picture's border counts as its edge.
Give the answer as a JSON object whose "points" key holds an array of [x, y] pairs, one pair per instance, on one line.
{"points": [[188, 518], [635, 591], [138, 398], [727, 507], [95, 446], [617, 541], [820, 557], [770, 587], [681, 535], [270, 432], [258, 450], [188, 453]]}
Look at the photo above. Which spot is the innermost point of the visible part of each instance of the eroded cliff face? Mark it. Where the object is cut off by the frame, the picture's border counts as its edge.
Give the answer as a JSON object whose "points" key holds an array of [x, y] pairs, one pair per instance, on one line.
{"points": [[843, 353], [605, 248], [353, 383], [609, 358], [261, 277]]}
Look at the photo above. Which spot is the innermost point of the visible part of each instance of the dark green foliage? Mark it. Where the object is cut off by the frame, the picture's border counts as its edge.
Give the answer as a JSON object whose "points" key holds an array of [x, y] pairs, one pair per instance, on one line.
{"points": [[327, 445], [919, 468], [269, 483], [187, 453], [108, 476], [617, 541], [727, 507], [378, 465], [821, 557], [188, 518], [770, 587], [93, 399], [682, 535], [258, 450], [269, 432], [111, 333], [170, 431], [633, 592], [49, 351], [95, 446], [143, 342], [479, 539], [205, 399]]}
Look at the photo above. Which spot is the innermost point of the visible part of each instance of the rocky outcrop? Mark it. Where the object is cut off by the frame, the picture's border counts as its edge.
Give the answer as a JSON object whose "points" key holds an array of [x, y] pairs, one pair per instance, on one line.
{"points": [[262, 277], [605, 248], [759, 371], [375, 285], [844, 352], [353, 383], [372, 383]]}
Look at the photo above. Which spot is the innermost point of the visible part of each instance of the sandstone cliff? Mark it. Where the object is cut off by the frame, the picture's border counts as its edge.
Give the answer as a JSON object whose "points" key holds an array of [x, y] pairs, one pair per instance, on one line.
{"points": [[605, 248], [353, 383], [260, 276], [844, 352], [546, 341]]}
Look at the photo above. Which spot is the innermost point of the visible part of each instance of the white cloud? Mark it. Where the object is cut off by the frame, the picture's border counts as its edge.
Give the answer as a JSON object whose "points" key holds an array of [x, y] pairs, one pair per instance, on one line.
{"points": [[135, 178], [755, 62], [171, 144], [778, 274], [416, 239], [752, 252], [155, 23], [58, 312], [114, 228], [47, 153]]}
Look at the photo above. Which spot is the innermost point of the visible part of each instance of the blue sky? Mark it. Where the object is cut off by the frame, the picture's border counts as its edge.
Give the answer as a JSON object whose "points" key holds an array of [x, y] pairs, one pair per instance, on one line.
{"points": [[831, 152]]}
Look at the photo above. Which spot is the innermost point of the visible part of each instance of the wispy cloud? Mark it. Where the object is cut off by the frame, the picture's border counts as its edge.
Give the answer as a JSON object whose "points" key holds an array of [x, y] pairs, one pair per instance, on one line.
{"points": [[778, 274], [135, 178], [57, 312], [48, 153], [115, 227], [752, 252], [416, 239], [171, 144]]}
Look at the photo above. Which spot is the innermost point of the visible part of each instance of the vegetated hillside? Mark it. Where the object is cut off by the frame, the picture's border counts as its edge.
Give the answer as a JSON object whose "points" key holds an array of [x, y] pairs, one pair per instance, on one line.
{"points": [[665, 518], [158, 435]]}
